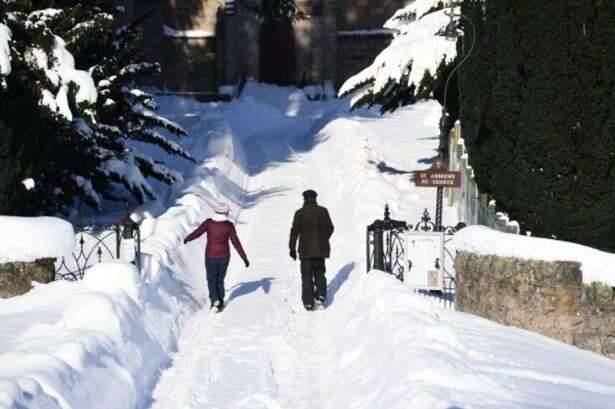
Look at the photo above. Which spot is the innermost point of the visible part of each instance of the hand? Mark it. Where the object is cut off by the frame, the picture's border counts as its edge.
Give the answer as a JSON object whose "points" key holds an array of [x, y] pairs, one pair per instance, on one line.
{"points": [[185, 241], [247, 263], [293, 254]]}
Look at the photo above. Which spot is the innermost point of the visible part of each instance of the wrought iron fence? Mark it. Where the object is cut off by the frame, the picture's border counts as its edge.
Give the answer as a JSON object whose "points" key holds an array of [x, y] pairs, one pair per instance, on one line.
{"points": [[385, 245], [386, 251], [97, 243]]}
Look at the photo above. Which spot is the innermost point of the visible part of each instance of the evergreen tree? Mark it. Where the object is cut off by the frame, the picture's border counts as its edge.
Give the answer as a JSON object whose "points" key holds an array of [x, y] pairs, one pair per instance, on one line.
{"points": [[536, 115], [73, 111], [44, 95], [8, 169], [127, 114]]}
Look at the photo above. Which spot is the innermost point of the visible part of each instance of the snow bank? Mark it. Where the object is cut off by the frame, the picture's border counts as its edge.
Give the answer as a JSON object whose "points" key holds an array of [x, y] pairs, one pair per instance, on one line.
{"points": [[67, 344], [397, 351], [5, 50], [30, 238], [414, 50], [597, 266]]}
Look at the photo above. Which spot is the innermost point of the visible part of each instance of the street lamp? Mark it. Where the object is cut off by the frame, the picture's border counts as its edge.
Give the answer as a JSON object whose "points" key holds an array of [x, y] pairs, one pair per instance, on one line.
{"points": [[450, 32]]}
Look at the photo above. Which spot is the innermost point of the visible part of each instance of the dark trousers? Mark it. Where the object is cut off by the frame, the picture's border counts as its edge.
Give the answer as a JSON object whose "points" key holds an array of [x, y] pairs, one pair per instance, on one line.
{"points": [[216, 271], [314, 282]]}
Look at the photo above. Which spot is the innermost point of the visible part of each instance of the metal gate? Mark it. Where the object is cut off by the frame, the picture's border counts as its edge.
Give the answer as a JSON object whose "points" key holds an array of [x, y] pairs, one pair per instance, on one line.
{"points": [[98, 243], [386, 251]]}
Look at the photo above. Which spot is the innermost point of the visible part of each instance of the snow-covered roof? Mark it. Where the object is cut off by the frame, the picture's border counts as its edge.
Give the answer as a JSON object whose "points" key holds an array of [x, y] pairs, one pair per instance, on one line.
{"points": [[596, 265], [28, 239]]}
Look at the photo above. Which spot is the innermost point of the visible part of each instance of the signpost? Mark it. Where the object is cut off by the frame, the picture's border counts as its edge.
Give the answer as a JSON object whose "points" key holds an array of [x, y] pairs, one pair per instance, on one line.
{"points": [[437, 176]]}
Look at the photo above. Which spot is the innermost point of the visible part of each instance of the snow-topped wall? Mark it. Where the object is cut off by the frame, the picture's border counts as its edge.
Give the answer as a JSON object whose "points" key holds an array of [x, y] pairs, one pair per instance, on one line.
{"points": [[26, 239], [562, 290]]}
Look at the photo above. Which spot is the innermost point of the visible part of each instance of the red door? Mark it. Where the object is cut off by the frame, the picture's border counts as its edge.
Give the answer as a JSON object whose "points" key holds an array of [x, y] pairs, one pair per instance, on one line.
{"points": [[277, 52]]}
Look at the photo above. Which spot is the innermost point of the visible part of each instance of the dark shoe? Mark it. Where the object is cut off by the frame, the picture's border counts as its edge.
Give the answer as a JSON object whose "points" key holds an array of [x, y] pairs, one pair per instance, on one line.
{"points": [[322, 302], [215, 304], [220, 306], [309, 307]]}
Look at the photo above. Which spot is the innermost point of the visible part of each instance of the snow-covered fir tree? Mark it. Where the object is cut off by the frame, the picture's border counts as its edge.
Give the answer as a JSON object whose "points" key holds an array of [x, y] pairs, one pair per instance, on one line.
{"points": [[126, 113], [66, 94], [410, 62]]}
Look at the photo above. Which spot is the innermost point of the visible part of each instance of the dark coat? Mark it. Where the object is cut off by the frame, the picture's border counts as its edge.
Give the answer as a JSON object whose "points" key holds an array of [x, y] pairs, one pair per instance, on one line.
{"points": [[313, 227], [218, 236]]}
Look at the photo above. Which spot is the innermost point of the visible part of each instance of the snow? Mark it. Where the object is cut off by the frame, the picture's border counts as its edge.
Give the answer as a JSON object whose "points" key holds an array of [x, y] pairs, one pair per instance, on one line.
{"points": [[172, 32], [5, 50], [26, 239], [120, 339], [415, 49], [62, 73], [65, 66], [596, 265], [29, 183]]}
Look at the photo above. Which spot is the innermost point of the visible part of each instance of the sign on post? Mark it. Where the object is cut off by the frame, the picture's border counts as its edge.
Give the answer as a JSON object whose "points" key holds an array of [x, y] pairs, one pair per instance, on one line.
{"points": [[437, 178], [426, 253]]}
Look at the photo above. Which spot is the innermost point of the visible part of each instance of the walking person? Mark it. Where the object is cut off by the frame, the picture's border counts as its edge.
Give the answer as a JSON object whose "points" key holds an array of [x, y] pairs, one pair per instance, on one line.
{"points": [[313, 228], [220, 230]]}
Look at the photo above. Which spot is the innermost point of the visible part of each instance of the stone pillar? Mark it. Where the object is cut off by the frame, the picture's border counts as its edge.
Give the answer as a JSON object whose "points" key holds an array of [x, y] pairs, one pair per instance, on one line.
{"points": [[241, 45]]}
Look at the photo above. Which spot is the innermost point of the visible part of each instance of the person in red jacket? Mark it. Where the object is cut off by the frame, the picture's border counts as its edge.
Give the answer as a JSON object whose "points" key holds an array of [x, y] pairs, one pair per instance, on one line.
{"points": [[217, 252]]}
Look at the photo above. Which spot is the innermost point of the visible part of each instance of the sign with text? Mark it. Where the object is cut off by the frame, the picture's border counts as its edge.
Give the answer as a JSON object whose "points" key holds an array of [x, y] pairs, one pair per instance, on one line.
{"points": [[437, 178], [425, 250]]}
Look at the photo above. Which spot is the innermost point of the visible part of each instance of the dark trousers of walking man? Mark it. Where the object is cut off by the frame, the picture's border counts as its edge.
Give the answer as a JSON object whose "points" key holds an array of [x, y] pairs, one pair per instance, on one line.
{"points": [[313, 228], [314, 281]]}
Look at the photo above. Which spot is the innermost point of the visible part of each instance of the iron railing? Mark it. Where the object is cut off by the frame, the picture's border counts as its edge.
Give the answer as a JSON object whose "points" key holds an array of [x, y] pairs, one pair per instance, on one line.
{"points": [[385, 245], [97, 243], [386, 251]]}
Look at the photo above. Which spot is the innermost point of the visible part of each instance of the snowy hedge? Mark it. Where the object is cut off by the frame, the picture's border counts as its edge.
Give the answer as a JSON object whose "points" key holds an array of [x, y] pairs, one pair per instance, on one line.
{"points": [[596, 265], [27, 239]]}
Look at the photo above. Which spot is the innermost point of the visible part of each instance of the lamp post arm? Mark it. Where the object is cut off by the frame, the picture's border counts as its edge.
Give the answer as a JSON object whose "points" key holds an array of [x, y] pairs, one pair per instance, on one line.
{"points": [[464, 59]]}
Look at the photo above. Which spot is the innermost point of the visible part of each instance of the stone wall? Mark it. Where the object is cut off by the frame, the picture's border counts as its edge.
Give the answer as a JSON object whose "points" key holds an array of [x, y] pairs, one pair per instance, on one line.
{"points": [[202, 64], [545, 297], [16, 278]]}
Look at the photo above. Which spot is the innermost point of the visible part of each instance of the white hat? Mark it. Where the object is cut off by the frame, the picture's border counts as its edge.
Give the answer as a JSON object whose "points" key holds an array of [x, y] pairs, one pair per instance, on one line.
{"points": [[222, 208]]}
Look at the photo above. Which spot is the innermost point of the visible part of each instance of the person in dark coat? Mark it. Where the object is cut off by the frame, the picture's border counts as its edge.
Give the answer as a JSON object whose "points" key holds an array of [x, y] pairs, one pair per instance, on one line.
{"points": [[313, 228], [217, 252]]}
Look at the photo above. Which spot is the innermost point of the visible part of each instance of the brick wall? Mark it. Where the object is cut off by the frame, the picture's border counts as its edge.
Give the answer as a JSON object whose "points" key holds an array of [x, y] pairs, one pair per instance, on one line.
{"points": [[545, 297]]}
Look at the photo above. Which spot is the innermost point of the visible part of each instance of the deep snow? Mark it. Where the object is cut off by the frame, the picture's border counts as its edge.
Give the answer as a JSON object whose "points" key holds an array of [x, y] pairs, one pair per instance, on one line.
{"points": [[30, 238], [105, 342]]}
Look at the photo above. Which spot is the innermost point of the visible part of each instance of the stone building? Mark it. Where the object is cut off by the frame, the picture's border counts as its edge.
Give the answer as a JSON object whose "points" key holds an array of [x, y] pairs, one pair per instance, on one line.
{"points": [[203, 44]]}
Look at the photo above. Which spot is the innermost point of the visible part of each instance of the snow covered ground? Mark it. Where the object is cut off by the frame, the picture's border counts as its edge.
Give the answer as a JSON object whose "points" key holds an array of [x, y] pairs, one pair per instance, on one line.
{"points": [[120, 340]]}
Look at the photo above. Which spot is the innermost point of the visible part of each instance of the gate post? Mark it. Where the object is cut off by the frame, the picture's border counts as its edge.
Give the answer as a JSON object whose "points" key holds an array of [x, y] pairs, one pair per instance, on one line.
{"points": [[378, 249]]}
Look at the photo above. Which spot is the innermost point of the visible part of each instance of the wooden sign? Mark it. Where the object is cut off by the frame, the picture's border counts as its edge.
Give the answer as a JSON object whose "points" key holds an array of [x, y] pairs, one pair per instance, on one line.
{"points": [[437, 178]]}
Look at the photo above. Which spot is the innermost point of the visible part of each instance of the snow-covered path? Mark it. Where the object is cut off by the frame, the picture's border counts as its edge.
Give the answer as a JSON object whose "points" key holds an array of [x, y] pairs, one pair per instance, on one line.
{"points": [[124, 339], [377, 345]]}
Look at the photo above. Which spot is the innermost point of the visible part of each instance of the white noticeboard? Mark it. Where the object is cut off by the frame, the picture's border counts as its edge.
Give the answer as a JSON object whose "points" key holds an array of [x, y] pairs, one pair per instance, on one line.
{"points": [[127, 250], [425, 250]]}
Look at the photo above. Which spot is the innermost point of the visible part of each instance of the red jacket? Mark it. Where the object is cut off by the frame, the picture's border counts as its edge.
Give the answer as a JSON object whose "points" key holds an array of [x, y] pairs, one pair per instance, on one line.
{"points": [[218, 236]]}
